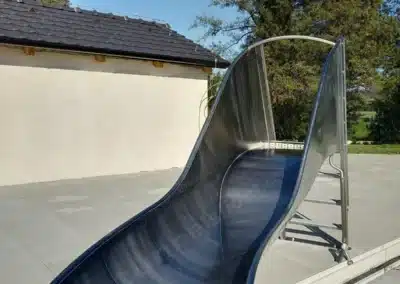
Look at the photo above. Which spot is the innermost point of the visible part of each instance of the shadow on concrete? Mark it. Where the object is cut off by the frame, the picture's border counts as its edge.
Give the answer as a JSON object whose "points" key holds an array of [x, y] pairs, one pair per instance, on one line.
{"points": [[314, 236]]}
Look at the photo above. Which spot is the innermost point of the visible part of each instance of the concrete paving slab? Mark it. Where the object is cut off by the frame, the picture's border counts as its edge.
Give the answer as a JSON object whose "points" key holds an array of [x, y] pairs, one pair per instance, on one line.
{"points": [[364, 268], [374, 195], [46, 225], [390, 277]]}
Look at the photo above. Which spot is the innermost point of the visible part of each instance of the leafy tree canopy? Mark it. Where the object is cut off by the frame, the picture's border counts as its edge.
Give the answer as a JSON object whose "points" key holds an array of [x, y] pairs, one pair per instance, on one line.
{"points": [[369, 26], [385, 127]]}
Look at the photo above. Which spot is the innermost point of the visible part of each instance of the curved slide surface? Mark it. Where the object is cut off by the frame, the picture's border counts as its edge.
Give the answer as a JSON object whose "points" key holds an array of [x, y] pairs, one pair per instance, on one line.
{"points": [[234, 196]]}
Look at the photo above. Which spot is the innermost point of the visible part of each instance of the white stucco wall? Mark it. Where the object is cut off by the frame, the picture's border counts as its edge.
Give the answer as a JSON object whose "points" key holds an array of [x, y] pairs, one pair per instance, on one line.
{"points": [[59, 122]]}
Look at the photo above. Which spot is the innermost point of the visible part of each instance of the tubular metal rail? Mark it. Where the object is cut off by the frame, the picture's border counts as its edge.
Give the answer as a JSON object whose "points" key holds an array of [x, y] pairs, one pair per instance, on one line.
{"points": [[343, 203]]}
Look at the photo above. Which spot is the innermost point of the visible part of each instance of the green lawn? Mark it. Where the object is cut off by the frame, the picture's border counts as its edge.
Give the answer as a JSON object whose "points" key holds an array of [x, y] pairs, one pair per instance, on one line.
{"points": [[375, 149]]}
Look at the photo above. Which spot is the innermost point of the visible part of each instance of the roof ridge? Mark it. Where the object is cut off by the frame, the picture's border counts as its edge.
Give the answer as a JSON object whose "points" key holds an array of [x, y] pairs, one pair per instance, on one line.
{"points": [[99, 32], [94, 12]]}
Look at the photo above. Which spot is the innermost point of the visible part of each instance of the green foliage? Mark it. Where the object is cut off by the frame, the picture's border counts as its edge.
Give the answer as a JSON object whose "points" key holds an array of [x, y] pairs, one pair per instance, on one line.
{"points": [[355, 103], [294, 66], [361, 130], [292, 117], [213, 86], [385, 127]]}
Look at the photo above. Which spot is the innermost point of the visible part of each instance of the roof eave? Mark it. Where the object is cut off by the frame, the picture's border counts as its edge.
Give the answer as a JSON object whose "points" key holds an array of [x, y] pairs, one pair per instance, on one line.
{"points": [[219, 63]]}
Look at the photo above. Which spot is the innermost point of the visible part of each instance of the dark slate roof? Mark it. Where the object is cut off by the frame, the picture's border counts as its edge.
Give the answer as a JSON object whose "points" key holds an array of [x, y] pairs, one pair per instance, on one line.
{"points": [[30, 23]]}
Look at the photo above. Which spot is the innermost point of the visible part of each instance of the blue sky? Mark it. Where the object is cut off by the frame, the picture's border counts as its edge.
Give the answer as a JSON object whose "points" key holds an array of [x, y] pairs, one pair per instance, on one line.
{"points": [[180, 14]]}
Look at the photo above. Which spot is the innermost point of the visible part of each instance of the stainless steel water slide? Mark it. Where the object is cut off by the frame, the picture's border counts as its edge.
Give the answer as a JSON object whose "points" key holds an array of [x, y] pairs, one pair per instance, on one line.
{"points": [[236, 192]]}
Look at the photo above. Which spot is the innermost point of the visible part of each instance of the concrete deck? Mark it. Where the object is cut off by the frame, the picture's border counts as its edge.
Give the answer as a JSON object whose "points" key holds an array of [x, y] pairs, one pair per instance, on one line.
{"points": [[391, 277], [373, 219], [45, 226]]}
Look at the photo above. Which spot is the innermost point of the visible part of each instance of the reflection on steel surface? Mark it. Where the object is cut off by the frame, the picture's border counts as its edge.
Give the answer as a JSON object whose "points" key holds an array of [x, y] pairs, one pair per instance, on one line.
{"points": [[236, 192]]}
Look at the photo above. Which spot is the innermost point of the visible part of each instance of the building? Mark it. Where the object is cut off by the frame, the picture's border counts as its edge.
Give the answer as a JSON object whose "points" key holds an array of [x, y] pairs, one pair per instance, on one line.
{"points": [[88, 94]]}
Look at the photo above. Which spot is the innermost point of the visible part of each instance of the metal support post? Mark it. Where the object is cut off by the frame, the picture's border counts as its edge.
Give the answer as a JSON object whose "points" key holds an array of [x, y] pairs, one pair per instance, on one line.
{"points": [[344, 177]]}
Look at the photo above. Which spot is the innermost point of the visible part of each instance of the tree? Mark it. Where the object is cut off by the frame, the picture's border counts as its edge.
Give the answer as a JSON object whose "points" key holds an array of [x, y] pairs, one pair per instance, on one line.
{"points": [[385, 128], [294, 66]]}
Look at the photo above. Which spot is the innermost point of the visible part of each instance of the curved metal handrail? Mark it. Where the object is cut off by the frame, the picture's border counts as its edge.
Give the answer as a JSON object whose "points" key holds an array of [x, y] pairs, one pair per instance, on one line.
{"points": [[276, 38], [334, 166], [257, 44], [272, 39]]}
